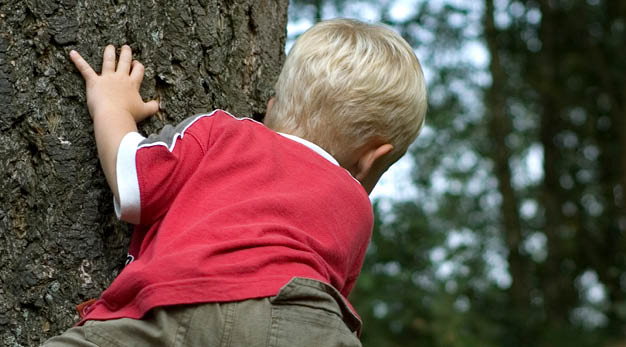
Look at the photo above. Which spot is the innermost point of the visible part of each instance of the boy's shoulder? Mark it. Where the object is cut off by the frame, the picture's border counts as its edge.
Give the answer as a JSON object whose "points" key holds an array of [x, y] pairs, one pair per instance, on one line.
{"points": [[201, 123], [218, 118]]}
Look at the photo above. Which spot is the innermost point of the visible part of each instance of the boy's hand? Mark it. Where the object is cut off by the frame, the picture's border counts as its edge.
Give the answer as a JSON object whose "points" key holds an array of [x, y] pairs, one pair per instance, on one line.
{"points": [[116, 90], [114, 104]]}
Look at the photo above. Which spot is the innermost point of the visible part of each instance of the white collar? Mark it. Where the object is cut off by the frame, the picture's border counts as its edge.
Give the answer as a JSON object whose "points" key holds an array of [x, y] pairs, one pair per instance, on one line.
{"points": [[317, 149]]}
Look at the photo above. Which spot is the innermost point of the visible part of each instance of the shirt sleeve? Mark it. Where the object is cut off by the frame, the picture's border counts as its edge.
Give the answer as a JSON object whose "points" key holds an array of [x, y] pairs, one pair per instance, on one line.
{"points": [[151, 171], [127, 208]]}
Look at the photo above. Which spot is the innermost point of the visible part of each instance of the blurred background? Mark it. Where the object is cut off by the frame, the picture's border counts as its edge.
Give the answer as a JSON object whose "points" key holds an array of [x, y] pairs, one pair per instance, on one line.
{"points": [[505, 224]]}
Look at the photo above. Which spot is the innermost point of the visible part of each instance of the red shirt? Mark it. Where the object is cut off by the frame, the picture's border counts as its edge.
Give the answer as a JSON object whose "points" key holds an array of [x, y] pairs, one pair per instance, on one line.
{"points": [[226, 210]]}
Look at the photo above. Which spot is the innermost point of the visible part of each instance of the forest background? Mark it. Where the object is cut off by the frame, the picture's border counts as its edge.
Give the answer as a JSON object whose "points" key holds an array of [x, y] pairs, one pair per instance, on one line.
{"points": [[507, 227]]}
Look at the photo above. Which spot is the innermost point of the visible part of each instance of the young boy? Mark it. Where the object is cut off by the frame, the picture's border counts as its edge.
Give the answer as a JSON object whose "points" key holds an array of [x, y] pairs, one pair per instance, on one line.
{"points": [[249, 234]]}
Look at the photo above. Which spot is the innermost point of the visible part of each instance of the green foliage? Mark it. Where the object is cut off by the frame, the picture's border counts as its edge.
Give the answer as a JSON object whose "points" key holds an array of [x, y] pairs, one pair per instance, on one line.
{"points": [[536, 100]]}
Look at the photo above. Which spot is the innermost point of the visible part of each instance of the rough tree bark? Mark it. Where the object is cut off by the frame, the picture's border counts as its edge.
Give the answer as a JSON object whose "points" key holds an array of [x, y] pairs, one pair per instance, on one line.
{"points": [[60, 243]]}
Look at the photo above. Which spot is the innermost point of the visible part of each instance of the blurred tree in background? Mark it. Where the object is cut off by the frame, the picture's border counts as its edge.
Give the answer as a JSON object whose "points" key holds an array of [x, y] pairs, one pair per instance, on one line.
{"points": [[514, 233]]}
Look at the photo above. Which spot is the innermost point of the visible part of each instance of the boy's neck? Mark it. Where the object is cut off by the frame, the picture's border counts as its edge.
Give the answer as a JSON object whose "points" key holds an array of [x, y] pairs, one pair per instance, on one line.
{"points": [[313, 146]]}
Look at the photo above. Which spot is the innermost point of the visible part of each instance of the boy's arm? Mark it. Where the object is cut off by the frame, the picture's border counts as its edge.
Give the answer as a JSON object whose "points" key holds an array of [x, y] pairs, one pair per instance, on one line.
{"points": [[114, 104]]}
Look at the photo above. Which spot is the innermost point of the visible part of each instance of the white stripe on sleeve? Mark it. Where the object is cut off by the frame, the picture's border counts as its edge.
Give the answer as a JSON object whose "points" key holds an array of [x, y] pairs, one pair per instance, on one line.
{"points": [[129, 207]]}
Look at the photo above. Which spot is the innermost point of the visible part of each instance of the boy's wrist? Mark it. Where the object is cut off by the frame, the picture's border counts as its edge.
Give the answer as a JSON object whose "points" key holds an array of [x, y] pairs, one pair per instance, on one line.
{"points": [[109, 113]]}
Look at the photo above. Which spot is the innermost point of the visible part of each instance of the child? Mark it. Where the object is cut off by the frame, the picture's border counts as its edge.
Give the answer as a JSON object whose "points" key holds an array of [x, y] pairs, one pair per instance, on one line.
{"points": [[249, 234]]}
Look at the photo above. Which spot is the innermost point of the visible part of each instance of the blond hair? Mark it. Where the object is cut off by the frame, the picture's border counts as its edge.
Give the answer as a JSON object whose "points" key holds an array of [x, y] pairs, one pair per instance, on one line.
{"points": [[345, 83]]}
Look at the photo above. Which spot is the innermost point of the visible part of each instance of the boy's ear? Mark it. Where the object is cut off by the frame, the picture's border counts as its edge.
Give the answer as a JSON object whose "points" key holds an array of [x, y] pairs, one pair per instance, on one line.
{"points": [[370, 166]]}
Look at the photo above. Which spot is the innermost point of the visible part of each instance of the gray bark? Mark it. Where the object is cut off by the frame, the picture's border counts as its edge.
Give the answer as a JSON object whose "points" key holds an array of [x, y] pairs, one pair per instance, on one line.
{"points": [[60, 243]]}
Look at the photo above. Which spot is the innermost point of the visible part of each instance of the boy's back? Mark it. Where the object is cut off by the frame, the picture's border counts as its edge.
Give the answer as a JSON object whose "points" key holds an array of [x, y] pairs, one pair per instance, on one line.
{"points": [[230, 210]]}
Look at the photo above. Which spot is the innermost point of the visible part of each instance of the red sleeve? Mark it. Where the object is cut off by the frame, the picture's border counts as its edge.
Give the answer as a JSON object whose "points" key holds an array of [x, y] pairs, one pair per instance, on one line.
{"points": [[151, 171]]}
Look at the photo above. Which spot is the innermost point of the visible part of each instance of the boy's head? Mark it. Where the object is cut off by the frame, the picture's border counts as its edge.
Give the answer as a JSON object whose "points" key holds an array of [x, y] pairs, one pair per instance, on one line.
{"points": [[345, 84]]}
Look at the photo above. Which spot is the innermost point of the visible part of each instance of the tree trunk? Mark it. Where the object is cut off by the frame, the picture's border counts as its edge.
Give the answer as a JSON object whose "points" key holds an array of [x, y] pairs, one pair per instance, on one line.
{"points": [[500, 127], [559, 270], [60, 243], [609, 260]]}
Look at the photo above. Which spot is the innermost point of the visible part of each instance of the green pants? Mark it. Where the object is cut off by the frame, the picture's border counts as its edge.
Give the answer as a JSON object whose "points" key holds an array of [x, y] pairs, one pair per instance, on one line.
{"points": [[304, 313]]}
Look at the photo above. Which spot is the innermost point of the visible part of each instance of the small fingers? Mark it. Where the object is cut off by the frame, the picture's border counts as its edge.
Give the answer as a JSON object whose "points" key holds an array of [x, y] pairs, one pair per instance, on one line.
{"points": [[136, 72], [151, 107], [126, 56], [148, 109], [83, 67], [108, 59]]}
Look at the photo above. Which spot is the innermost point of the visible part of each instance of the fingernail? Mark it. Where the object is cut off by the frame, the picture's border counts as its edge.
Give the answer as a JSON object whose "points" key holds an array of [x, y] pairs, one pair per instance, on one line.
{"points": [[72, 52]]}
